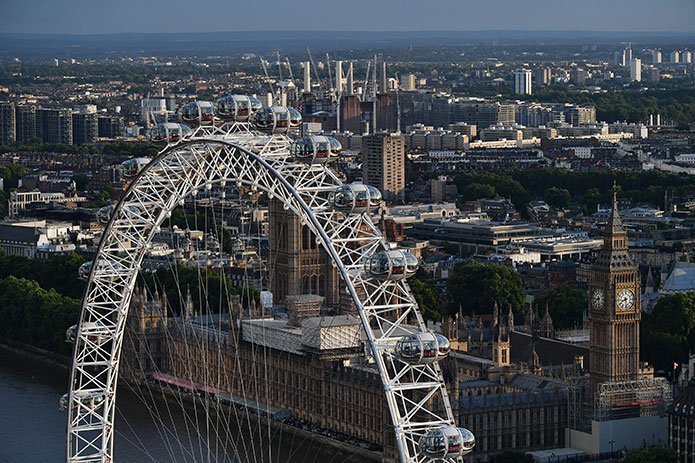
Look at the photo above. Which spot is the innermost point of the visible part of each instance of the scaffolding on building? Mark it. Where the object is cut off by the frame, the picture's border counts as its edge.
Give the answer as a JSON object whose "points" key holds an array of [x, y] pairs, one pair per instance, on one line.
{"points": [[577, 403], [631, 399]]}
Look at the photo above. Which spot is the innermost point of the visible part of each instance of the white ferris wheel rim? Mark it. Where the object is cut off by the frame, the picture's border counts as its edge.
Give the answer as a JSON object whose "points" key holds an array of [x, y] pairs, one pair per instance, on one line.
{"points": [[90, 436]]}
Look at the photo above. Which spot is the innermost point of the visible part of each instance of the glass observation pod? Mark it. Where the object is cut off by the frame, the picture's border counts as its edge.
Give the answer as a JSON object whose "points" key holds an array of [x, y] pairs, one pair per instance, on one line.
{"points": [[104, 214], [90, 399], [85, 269], [199, 112], [278, 119], [95, 332], [295, 118], [446, 442], [132, 167], [421, 348], [238, 108], [316, 149], [394, 264], [168, 132], [355, 198], [71, 334]]}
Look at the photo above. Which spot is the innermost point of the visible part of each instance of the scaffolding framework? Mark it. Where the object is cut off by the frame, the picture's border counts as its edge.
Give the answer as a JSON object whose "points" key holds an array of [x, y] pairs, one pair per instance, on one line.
{"points": [[631, 399]]}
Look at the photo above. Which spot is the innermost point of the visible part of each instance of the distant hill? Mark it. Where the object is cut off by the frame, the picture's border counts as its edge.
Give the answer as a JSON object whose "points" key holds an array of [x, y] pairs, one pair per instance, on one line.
{"points": [[229, 43]]}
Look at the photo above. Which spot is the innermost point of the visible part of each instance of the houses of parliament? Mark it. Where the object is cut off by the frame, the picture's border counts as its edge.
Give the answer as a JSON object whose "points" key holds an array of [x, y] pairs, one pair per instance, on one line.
{"points": [[513, 384]]}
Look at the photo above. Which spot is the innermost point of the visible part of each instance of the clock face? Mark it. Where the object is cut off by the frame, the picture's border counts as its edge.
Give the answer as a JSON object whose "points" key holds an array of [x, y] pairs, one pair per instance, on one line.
{"points": [[626, 299], [597, 299]]}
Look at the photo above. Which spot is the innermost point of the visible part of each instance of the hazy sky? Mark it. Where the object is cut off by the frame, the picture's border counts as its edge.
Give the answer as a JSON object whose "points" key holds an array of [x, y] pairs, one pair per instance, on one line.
{"points": [[109, 16]]}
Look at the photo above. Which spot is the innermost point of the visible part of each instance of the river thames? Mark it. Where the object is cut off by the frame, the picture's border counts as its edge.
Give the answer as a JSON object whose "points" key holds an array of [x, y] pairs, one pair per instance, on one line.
{"points": [[32, 426]]}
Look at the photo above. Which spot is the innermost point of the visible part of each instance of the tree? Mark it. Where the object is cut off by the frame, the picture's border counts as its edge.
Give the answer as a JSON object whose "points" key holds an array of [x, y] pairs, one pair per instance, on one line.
{"points": [[33, 315], [59, 273], [565, 304], [477, 191], [11, 174], [475, 287], [657, 454], [556, 197], [81, 181], [427, 298], [667, 334]]}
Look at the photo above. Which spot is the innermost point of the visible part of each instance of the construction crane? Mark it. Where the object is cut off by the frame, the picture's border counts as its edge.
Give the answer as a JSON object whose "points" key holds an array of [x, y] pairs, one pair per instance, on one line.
{"points": [[289, 68], [277, 53], [366, 81], [330, 75], [267, 78], [316, 70]]}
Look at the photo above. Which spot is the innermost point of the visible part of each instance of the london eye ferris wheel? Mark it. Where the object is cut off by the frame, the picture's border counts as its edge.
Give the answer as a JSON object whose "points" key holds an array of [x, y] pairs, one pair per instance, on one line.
{"points": [[177, 302]]}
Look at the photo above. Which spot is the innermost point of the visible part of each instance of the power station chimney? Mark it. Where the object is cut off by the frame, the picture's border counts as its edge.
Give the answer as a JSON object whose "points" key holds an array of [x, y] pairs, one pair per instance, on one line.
{"points": [[350, 81], [339, 76]]}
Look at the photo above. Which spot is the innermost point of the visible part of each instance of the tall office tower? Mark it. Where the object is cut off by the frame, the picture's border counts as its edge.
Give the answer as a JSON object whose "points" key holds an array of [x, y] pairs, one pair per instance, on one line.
{"points": [[307, 76], [543, 75], [350, 114], [656, 56], [578, 76], [409, 84], [614, 307], [298, 265], [483, 115], [522, 82], [8, 123], [619, 58], [675, 56], [636, 70], [385, 113], [687, 57], [628, 56], [577, 115], [111, 126], [85, 125], [383, 164], [26, 123], [54, 125]]}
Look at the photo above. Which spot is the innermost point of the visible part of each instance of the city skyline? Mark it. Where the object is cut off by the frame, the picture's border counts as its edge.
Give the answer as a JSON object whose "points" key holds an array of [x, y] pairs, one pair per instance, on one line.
{"points": [[83, 17]]}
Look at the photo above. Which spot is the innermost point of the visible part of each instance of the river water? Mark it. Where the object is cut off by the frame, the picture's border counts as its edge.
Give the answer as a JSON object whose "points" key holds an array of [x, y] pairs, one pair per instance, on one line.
{"points": [[32, 426]]}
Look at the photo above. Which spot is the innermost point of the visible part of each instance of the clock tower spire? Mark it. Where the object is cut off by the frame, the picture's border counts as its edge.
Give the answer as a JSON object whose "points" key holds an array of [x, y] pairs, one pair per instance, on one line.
{"points": [[614, 311]]}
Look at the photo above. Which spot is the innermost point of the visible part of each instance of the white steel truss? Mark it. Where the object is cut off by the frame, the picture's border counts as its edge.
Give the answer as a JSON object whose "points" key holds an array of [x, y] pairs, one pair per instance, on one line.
{"points": [[416, 394]]}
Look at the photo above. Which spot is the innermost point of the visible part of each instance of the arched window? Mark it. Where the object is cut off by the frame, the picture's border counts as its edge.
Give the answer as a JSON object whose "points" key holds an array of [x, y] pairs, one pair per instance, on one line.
{"points": [[305, 284], [306, 238], [314, 284]]}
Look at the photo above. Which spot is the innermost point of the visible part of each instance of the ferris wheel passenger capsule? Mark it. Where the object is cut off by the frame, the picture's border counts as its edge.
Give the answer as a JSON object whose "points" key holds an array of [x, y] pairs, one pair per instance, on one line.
{"points": [[84, 270], [104, 214], [273, 119], [295, 117], [394, 264], [96, 332], [168, 132], [355, 198], [90, 399], [423, 348], [71, 334], [238, 108], [446, 442], [198, 112], [132, 167], [316, 149]]}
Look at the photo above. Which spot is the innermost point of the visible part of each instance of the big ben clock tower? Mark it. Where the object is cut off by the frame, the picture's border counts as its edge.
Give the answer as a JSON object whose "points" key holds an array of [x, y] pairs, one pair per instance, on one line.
{"points": [[614, 307]]}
